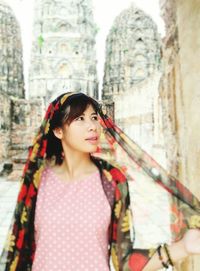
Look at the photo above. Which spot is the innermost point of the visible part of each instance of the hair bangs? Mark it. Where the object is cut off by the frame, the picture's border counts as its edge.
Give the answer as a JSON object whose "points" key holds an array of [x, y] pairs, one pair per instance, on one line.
{"points": [[76, 107]]}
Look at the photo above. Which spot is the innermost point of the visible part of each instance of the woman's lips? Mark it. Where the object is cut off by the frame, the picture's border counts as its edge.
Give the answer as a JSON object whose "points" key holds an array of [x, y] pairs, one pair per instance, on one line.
{"points": [[93, 139]]}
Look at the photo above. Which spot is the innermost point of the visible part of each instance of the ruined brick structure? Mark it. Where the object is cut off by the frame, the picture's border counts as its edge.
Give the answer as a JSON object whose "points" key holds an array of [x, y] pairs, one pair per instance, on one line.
{"points": [[131, 77], [5, 125], [131, 82], [63, 52], [179, 92], [19, 118], [11, 75]]}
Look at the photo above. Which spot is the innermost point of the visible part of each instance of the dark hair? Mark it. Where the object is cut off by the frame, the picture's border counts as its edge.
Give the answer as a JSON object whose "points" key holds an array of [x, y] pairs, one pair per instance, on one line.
{"points": [[73, 107]]}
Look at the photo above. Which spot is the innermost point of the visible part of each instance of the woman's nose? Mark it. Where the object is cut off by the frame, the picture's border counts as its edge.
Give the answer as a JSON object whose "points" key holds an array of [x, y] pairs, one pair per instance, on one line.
{"points": [[92, 126]]}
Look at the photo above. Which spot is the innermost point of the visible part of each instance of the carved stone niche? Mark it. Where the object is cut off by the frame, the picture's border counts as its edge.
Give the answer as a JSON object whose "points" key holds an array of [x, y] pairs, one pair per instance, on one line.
{"points": [[63, 26], [138, 74], [140, 58], [63, 47], [63, 69], [140, 44]]}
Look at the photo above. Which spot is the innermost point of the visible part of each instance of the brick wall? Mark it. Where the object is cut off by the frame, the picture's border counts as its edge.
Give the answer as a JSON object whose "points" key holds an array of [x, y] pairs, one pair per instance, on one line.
{"points": [[5, 124], [26, 119]]}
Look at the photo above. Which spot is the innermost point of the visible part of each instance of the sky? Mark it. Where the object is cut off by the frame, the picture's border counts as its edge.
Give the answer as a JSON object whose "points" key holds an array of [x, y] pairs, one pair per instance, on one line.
{"points": [[105, 12]]}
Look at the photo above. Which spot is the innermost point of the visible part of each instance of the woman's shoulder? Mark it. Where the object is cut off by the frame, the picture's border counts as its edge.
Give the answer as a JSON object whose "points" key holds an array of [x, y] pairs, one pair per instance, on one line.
{"points": [[110, 170], [114, 181], [50, 166], [103, 164], [46, 171]]}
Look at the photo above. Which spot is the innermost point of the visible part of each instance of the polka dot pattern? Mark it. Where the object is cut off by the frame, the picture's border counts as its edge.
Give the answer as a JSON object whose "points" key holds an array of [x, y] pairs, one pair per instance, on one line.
{"points": [[71, 225]]}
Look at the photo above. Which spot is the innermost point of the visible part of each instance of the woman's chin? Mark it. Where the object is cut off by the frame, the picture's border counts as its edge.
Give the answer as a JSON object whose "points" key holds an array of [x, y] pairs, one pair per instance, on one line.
{"points": [[92, 149]]}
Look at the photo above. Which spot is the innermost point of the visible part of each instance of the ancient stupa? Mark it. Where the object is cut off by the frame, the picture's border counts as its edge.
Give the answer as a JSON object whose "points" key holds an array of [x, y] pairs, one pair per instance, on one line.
{"points": [[63, 51], [132, 51], [11, 67], [132, 74]]}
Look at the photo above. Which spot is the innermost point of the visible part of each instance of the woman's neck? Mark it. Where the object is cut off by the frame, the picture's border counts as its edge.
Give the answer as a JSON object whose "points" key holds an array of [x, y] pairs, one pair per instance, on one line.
{"points": [[76, 165]]}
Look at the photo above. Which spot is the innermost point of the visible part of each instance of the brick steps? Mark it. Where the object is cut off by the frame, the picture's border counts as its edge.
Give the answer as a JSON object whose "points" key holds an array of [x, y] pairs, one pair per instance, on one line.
{"points": [[16, 164], [16, 174]]}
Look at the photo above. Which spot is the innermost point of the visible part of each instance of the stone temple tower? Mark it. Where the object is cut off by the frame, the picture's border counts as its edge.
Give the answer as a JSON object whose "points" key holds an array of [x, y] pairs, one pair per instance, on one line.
{"points": [[131, 89], [63, 51], [132, 51], [11, 67], [131, 76]]}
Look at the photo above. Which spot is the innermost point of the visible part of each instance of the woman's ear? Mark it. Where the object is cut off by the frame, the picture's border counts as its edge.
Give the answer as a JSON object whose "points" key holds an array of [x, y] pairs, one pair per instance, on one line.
{"points": [[58, 132]]}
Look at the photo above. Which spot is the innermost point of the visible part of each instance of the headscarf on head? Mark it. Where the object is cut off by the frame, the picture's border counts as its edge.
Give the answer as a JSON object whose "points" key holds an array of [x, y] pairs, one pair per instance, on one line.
{"points": [[121, 162]]}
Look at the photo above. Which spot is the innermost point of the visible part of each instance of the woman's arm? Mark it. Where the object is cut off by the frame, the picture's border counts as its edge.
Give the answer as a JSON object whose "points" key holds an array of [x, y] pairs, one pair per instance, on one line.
{"points": [[177, 253], [127, 258], [124, 256], [189, 245]]}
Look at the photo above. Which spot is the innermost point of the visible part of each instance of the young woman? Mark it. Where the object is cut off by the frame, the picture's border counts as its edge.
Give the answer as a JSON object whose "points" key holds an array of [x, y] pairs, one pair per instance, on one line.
{"points": [[73, 210]]}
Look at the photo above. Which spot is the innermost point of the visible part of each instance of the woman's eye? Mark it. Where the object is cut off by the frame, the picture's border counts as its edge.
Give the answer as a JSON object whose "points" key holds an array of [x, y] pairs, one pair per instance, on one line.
{"points": [[95, 117], [80, 118]]}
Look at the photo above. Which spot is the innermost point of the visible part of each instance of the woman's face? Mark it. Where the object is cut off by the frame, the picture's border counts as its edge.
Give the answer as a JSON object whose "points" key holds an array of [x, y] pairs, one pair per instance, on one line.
{"points": [[83, 133]]}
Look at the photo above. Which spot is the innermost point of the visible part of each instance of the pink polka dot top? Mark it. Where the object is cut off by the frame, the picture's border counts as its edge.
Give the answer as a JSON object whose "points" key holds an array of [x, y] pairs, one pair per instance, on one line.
{"points": [[71, 224]]}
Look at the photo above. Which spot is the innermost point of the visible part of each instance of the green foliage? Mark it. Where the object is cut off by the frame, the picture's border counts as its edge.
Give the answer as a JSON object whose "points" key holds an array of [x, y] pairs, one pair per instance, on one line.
{"points": [[40, 41]]}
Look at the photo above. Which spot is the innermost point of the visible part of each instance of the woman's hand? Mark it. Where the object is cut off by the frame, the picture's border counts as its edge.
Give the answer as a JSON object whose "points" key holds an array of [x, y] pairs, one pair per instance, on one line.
{"points": [[188, 245], [191, 241]]}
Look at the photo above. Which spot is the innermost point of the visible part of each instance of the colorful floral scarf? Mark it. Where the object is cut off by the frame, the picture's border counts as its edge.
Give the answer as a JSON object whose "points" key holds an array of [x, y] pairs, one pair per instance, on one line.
{"points": [[121, 162]]}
